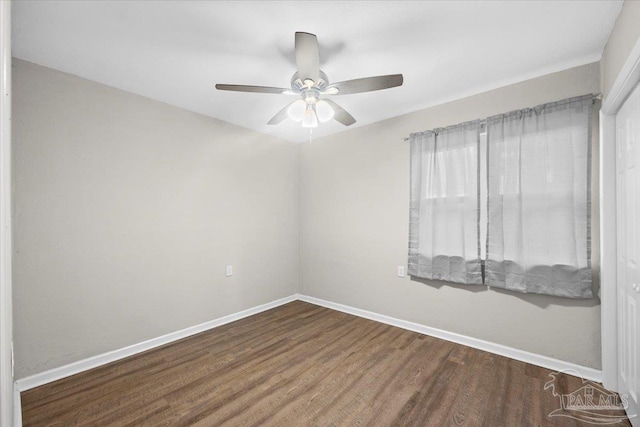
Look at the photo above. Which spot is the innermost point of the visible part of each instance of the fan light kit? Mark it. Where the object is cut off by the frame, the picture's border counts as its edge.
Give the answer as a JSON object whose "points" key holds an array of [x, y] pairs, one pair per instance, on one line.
{"points": [[312, 86]]}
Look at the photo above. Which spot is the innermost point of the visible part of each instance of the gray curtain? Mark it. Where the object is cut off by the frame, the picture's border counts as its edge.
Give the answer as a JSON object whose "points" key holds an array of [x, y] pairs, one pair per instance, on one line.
{"points": [[444, 212], [539, 196]]}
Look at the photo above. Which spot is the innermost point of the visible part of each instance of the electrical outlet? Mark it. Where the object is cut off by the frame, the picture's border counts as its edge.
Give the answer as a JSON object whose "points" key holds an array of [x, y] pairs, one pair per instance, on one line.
{"points": [[401, 271], [229, 270]]}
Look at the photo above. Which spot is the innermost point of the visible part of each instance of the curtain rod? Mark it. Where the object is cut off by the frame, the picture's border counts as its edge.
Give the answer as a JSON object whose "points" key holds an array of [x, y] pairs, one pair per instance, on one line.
{"points": [[597, 96]]}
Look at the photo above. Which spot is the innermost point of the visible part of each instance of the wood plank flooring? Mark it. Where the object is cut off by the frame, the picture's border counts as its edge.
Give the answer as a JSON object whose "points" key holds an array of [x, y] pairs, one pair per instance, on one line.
{"points": [[304, 365]]}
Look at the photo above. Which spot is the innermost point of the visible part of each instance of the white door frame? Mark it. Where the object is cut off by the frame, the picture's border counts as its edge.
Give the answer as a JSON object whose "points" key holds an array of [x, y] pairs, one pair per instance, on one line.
{"points": [[625, 82], [6, 317]]}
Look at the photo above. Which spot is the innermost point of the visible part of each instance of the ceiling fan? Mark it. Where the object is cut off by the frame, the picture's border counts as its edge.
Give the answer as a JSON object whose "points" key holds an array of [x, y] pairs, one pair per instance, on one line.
{"points": [[311, 84]]}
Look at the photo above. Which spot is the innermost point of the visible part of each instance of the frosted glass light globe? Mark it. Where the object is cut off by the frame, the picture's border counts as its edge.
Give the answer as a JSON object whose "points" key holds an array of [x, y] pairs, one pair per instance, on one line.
{"points": [[296, 110], [324, 111], [310, 118]]}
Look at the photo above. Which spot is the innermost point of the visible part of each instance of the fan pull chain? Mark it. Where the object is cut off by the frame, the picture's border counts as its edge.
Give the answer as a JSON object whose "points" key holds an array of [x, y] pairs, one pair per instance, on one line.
{"points": [[310, 132]]}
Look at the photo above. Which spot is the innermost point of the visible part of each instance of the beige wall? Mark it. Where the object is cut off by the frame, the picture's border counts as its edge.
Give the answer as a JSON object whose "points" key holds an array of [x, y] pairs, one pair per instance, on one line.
{"points": [[354, 200], [127, 211], [623, 38]]}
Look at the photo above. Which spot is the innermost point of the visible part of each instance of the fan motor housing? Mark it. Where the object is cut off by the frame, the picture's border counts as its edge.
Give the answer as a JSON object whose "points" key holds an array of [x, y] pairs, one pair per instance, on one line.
{"points": [[298, 85]]}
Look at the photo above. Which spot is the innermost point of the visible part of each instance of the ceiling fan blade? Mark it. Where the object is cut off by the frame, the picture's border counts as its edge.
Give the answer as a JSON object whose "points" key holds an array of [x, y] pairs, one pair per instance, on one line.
{"points": [[256, 89], [366, 84], [280, 115], [341, 114], [307, 56]]}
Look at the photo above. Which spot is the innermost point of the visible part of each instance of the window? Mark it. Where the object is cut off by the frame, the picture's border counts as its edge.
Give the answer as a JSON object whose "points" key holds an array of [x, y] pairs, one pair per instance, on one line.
{"points": [[444, 241], [513, 190], [483, 194]]}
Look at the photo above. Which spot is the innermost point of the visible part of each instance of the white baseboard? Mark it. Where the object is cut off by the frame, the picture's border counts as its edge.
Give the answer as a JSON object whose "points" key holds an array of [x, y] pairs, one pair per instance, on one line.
{"points": [[112, 356], [502, 350], [102, 359]]}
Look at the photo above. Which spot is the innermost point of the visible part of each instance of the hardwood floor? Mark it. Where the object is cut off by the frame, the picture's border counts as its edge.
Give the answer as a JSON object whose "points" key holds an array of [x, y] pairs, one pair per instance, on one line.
{"points": [[304, 365]]}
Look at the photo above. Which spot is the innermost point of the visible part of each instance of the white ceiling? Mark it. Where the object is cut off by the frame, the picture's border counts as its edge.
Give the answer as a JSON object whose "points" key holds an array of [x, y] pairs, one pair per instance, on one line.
{"points": [[175, 51]]}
